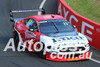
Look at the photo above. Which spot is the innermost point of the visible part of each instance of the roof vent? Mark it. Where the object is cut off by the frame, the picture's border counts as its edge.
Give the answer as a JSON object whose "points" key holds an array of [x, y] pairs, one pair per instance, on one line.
{"points": [[52, 16]]}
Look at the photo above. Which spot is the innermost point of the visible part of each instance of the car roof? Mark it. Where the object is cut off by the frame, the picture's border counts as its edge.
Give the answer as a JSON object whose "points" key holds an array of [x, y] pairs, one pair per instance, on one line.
{"points": [[47, 17]]}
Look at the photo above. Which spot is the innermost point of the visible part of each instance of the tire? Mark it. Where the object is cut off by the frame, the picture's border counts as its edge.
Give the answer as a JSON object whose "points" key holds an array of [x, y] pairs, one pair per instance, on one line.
{"points": [[41, 53], [16, 39]]}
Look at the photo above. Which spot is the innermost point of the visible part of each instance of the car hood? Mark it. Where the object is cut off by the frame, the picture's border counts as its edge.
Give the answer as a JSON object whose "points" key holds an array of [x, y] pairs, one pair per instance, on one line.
{"points": [[64, 39]]}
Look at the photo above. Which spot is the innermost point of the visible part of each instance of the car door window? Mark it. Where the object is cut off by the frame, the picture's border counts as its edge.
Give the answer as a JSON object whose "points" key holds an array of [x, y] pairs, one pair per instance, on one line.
{"points": [[30, 23]]}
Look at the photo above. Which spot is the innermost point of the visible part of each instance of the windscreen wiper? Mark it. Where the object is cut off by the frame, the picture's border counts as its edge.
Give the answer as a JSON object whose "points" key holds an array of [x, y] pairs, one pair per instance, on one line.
{"points": [[55, 27]]}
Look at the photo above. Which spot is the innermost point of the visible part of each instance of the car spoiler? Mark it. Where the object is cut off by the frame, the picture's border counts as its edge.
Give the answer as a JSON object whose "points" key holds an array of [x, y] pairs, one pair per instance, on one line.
{"points": [[24, 11]]}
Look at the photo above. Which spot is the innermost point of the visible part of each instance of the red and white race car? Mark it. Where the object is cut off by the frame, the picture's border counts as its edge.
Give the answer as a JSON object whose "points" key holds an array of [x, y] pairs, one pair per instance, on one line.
{"points": [[60, 41]]}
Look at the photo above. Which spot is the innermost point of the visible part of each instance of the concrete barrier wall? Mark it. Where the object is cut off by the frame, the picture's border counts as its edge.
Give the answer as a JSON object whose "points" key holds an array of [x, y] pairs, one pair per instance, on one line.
{"points": [[84, 25]]}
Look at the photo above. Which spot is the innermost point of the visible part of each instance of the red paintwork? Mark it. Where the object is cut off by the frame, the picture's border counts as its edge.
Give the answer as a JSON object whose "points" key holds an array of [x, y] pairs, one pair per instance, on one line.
{"points": [[46, 17]]}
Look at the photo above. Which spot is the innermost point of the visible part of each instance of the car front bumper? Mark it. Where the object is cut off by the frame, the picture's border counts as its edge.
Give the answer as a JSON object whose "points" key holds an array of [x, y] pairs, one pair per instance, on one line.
{"points": [[63, 58]]}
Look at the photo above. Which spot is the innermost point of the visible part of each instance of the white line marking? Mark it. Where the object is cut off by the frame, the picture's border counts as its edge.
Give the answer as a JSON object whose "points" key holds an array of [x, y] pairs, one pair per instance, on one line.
{"points": [[41, 6], [95, 60]]}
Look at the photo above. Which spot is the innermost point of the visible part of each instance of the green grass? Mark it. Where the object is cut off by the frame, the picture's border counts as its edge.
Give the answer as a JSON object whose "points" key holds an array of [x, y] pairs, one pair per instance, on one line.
{"points": [[86, 8]]}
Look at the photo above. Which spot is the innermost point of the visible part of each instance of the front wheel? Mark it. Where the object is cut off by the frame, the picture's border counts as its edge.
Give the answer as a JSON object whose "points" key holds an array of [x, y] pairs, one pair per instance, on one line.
{"points": [[41, 53]]}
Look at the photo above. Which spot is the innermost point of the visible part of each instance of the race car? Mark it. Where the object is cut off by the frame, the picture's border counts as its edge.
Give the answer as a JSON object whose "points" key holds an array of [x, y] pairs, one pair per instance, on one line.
{"points": [[60, 40]]}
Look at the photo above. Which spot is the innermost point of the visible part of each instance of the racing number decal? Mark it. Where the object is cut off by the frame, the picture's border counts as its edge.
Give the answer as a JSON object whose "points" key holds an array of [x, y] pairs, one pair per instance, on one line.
{"points": [[65, 23]]}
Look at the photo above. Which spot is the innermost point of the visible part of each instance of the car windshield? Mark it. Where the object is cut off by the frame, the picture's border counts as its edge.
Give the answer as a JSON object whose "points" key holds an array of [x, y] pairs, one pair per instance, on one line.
{"points": [[55, 26]]}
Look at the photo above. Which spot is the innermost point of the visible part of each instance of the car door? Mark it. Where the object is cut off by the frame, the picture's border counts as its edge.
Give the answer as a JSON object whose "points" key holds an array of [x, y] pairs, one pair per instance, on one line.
{"points": [[32, 33]]}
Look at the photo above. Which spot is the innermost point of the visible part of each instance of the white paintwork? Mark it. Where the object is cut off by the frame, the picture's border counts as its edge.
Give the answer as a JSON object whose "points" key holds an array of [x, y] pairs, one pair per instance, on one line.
{"points": [[65, 43]]}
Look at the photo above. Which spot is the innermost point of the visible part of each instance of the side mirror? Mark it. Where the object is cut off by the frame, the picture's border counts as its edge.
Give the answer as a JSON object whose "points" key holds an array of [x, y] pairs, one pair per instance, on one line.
{"points": [[74, 26]]}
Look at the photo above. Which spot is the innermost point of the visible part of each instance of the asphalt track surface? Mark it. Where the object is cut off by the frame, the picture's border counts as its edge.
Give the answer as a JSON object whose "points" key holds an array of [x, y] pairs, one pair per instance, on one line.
{"points": [[29, 59]]}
